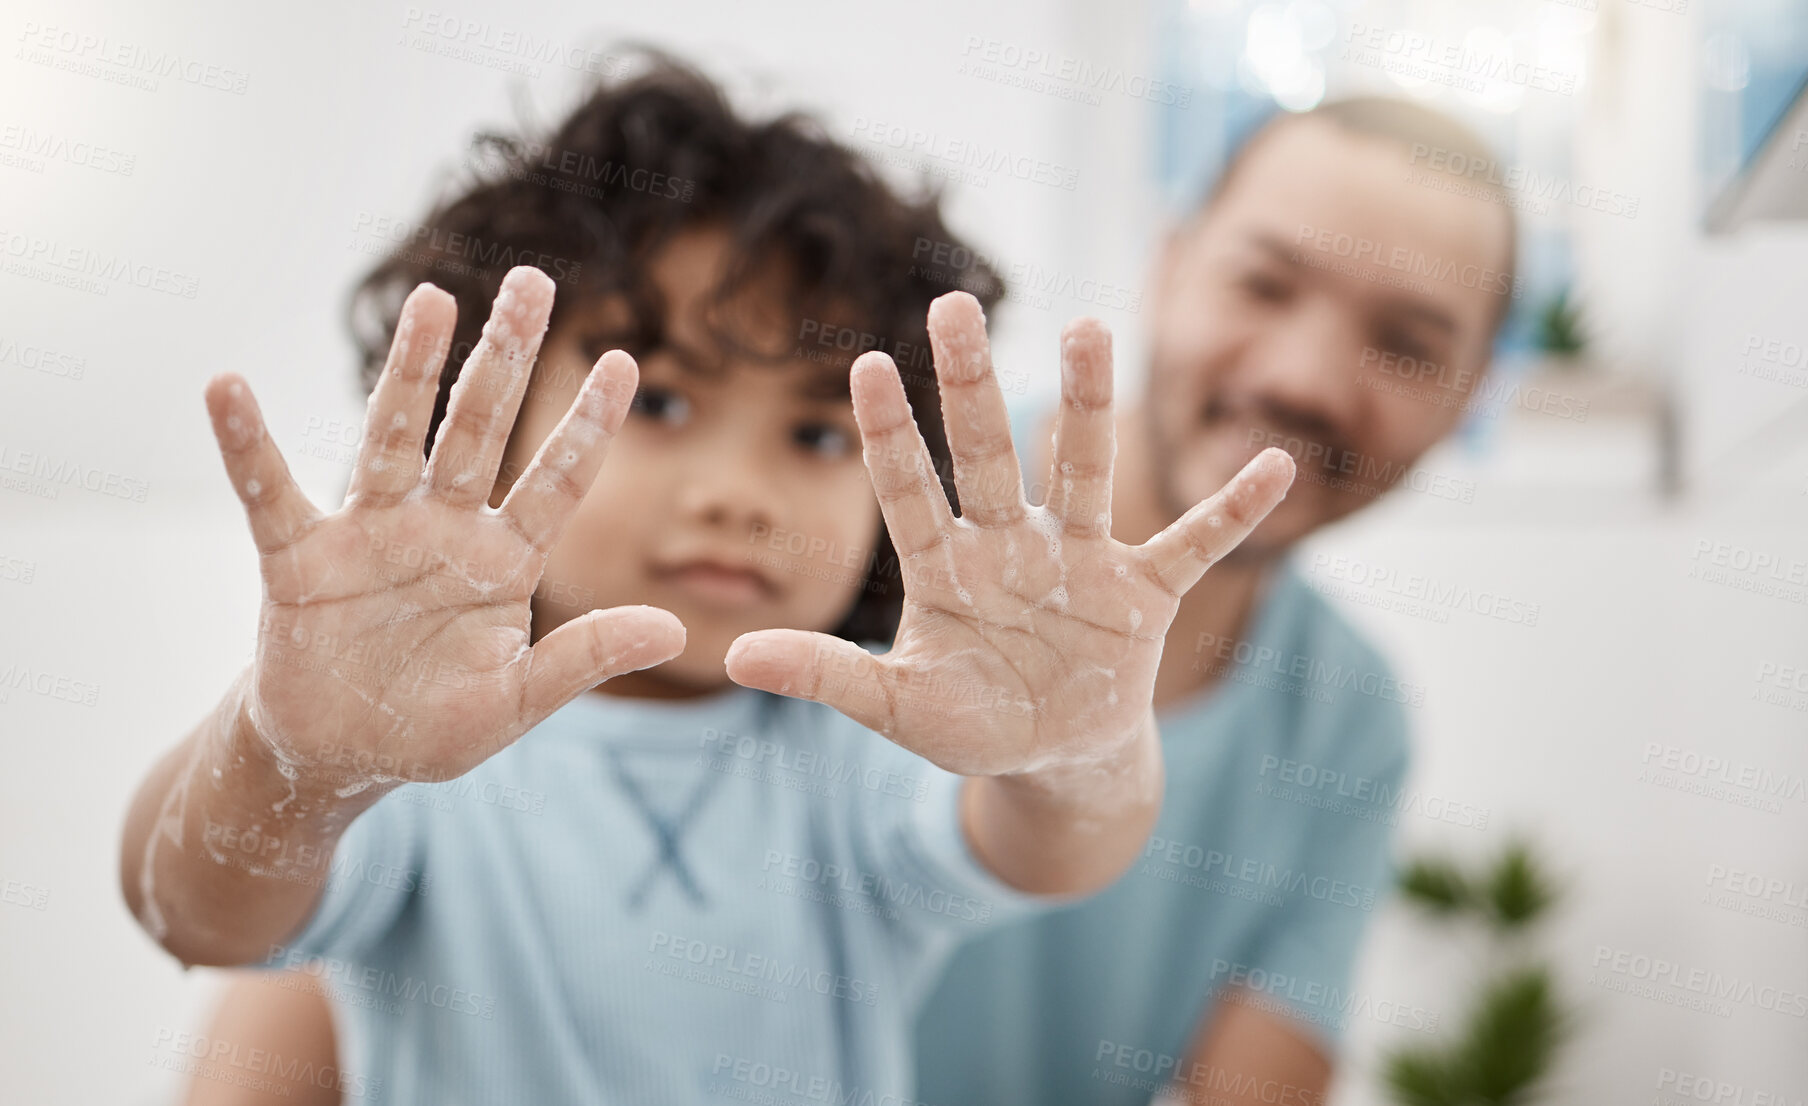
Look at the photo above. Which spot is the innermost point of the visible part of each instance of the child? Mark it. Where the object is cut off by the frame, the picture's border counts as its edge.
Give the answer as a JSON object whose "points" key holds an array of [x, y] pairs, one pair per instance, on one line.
{"points": [[673, 886]]}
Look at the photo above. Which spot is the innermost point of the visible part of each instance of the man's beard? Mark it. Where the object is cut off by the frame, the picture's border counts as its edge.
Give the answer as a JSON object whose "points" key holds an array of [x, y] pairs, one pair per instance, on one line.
{"points": [[1250, 552]]}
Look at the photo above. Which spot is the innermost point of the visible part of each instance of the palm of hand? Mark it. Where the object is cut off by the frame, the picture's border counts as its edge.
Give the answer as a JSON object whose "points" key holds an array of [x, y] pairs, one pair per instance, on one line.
{"points": [[1023, 643], [356, 642], [394, 642], [1030, 637]]}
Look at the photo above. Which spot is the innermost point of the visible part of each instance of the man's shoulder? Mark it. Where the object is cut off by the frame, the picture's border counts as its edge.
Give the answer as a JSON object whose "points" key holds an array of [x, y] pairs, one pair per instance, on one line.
{"points": [[1347, 682], [1303, 684], [1320, 623]]}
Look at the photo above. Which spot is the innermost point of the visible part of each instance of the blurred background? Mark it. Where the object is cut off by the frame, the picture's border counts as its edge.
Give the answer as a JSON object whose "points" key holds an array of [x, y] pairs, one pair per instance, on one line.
{"points": [[1646, 732]]}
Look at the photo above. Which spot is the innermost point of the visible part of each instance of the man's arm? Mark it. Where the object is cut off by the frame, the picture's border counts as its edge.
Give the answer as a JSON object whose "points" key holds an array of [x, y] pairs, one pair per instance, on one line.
{"points": [[1246, 1056]]}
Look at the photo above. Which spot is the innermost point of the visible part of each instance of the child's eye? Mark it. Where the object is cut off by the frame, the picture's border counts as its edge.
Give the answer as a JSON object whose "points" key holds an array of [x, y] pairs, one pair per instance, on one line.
{"points": [[821, 437], [1404, 344], [1262, 286], [661, 404]]}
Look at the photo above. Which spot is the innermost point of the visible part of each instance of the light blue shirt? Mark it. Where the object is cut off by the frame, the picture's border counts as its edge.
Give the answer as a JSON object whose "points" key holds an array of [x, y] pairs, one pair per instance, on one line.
{"points": [[1267, 862], [736, 898]]}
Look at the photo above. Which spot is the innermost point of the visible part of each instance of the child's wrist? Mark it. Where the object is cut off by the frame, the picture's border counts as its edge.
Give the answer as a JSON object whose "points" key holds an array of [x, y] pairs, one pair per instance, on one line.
{"points": [[260, 766], [1129, 772]]}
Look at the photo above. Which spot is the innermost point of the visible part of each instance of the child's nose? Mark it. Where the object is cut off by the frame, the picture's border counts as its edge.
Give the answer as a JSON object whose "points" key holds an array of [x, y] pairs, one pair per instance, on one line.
{"points": [[731, 493]]}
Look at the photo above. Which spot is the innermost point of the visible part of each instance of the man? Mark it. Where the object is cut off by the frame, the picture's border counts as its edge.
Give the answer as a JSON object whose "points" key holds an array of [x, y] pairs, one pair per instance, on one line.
{"points": [[1336, 294]]}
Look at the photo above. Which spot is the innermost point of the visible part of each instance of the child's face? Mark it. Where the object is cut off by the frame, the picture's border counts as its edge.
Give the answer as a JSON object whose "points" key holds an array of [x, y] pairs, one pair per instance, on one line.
{"points": [[734, 495]]}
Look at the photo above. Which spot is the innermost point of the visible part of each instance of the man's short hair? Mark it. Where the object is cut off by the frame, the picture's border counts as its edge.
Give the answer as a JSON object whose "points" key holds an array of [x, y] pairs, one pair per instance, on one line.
{"points": [[1434, 142]]}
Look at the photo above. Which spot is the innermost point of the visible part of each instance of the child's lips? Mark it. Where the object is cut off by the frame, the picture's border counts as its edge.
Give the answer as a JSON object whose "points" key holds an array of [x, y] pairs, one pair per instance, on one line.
{"points": [[718, 582]]}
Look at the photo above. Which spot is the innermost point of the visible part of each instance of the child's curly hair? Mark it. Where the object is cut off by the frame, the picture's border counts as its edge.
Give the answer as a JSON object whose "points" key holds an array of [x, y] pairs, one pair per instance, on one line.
{"points": [[659, 152]]}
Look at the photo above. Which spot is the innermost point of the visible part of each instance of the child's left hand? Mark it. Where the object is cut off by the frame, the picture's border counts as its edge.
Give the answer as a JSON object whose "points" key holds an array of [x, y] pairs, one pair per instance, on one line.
{"points": [[1029, 637]]}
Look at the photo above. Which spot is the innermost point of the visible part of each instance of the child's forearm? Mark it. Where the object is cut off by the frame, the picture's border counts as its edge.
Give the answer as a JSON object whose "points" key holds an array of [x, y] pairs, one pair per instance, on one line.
{"points": [[222, 856], [1072, 829]]}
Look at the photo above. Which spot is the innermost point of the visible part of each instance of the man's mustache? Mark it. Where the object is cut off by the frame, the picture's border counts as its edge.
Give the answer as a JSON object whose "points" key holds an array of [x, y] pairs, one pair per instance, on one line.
{"points": [[1309, 436]]}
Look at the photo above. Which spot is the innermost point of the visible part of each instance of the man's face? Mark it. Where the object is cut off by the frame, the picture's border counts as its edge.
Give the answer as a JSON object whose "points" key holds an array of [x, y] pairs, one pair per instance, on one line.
{"points": [[1323, 305]]}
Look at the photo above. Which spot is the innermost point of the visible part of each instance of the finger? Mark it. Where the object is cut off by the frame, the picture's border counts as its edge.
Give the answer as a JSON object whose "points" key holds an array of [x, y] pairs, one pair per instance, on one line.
{"points": [[824, 669], [915, 507], [592, 648], [401, 405], [556, 480], [468, 450], [1079, 478], [278, 511], [1198, 539], [986, 473]]}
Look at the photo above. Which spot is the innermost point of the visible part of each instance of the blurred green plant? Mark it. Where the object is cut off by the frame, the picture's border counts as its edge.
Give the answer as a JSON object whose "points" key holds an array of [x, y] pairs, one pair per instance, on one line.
{"points": [[1509, 1041], [1560, 328]]}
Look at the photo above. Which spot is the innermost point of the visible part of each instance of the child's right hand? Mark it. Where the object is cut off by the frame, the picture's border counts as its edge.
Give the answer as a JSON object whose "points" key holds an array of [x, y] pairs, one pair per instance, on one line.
{"points": [[394, 640]]}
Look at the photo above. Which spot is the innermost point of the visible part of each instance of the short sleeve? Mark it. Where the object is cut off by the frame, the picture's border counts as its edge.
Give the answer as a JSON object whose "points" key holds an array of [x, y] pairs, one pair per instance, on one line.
{"points": [[376, 868], [1301, 965], [918, 862]]}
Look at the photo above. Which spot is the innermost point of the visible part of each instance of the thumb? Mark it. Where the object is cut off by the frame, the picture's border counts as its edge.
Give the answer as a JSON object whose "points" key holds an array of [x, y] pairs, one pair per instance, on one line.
{"points": [[595, 647], [824, 669]]}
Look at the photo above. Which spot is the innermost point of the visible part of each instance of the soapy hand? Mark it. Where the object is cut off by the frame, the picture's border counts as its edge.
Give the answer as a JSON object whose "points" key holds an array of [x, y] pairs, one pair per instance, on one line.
{"points": [[394, 640], [1030, 637]]}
